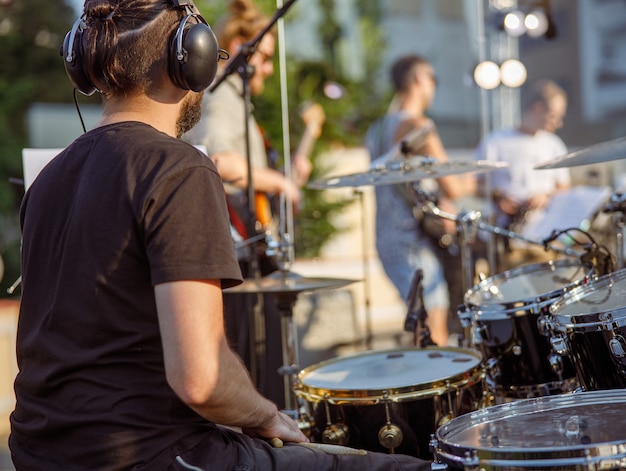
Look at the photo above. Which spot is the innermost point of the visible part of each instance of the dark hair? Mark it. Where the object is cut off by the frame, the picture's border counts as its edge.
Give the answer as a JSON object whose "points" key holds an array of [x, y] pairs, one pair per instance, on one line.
{"points": [[541, 91], [403, 69], [127, 43], [243, 20]]}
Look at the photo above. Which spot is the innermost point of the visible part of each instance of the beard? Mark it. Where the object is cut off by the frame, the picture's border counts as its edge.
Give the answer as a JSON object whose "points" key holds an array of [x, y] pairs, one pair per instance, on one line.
{"points": [[190, 112]]}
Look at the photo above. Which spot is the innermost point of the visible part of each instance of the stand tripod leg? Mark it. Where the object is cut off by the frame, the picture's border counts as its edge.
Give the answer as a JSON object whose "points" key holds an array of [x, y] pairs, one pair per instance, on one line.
{"points": [[289, 337]]}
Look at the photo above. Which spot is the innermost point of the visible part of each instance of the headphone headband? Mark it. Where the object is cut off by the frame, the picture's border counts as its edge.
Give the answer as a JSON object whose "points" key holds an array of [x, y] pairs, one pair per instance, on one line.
{"points": [[192, 59]]}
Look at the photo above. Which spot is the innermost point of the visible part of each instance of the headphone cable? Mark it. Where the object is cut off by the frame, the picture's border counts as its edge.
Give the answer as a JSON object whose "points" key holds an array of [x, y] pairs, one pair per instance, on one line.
{"points": [[80, 116]]}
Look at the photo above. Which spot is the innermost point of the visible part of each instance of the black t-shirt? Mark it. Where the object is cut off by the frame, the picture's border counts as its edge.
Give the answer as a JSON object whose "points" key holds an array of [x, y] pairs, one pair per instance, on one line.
{"points": [[123, 208]]}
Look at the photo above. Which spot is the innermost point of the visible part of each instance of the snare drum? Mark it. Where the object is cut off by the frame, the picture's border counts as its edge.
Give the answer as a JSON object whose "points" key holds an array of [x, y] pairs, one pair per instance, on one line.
{"points": [[574, 431], [390, 400], [506, 313], [589, 327]]}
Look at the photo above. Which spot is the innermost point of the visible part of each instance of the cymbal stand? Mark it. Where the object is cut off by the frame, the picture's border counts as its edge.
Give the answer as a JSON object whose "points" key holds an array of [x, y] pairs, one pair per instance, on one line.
{"points": [[285, 301], [468, 224], [617, 206]]}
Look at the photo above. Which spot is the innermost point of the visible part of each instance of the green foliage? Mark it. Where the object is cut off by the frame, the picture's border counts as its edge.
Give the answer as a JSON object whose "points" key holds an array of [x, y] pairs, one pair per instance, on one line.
{"points": [[31, 71], [346, 118]]}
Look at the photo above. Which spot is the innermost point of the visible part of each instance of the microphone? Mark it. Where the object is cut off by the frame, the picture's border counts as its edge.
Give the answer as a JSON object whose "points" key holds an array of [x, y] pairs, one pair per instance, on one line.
{"points": [[598, 259]]}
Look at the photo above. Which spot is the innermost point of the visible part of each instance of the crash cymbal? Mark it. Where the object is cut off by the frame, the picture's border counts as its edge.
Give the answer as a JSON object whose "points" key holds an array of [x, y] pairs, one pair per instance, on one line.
{"points": [[287, 282], [603, 152], [406, 170]]}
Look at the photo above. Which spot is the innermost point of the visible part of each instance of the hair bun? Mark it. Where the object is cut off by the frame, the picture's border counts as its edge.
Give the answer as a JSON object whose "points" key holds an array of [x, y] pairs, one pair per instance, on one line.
{"points": [[100, 9]]}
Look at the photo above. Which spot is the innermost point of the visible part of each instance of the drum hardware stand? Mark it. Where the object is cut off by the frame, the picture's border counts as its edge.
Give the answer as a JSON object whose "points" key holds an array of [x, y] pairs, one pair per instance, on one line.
{"points": [[468, 223], [366, 277], [617, 206], [416, 316]]}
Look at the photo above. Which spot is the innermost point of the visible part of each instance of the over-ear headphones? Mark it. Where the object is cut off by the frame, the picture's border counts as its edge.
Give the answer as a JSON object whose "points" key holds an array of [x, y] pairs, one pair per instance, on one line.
{"points": [[192, 59]]}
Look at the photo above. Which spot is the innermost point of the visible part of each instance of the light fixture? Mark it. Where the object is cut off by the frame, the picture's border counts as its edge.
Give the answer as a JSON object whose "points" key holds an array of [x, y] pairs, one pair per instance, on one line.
{"points": [[513, 23], [536, 23], [513, 73], [487, 75]]}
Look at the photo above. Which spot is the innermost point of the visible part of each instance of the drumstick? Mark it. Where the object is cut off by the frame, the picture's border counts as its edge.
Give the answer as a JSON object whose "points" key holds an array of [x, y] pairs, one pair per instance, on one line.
{"points": [[276, 442], [330, 449]]}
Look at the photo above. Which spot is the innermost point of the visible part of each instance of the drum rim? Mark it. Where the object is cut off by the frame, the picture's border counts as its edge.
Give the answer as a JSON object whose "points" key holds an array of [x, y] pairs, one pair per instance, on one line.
{"points": [[582, 320], [342, 396], [452, 450], [513, 307]]}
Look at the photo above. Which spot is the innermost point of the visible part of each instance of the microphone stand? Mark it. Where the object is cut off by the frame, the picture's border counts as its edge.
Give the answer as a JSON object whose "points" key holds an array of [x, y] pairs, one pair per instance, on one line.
{"points": [[240, 64], [416, 315]]}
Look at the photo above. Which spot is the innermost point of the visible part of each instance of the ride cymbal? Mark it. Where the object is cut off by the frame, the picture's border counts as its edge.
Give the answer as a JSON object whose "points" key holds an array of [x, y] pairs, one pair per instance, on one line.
{"points": [[287, 282], [603, 152], [404, 171]]}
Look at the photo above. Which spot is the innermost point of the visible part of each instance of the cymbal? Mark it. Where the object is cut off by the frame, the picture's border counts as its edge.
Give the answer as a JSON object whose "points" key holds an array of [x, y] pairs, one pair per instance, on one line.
{"points": [[287, 282], [406, 170], [614, 149]]}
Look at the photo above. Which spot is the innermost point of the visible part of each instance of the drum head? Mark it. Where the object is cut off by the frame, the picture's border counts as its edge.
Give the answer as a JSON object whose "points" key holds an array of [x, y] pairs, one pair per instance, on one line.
{"points": [[553, 432], [504, 294], [399, 374], [601, 300]]}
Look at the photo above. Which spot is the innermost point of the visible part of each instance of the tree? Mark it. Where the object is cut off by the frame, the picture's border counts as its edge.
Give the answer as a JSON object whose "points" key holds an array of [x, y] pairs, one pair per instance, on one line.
{"points": [[31, 71], [346, 119]]}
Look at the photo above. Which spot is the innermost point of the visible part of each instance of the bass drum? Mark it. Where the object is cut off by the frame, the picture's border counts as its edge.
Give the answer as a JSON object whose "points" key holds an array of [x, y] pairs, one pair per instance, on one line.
{"points": [[507, 313], [390, 400], [589, 328], [575, 431]]}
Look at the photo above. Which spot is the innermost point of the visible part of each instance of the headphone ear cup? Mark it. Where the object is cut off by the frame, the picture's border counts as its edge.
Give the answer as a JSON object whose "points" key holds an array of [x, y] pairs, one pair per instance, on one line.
{"points": [[72, 52], [194, 53]]}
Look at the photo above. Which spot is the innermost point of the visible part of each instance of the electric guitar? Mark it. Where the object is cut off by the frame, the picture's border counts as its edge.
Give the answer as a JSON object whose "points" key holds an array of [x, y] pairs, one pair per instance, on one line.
{"points": [[313, 116]]}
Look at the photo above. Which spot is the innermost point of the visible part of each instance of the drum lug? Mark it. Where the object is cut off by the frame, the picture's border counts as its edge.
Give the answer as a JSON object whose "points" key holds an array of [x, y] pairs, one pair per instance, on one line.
{"points": [[436, 465], [616, 344], [493, 369], [471, 462], [559, 345], [390, 436], [336, 434], [465, 317], [480, 333], [545, 326], [556, 362]]}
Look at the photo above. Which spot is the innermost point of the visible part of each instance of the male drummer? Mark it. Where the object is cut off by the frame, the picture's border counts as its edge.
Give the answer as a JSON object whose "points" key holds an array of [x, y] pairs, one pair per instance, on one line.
{"points": [[126, 248]]}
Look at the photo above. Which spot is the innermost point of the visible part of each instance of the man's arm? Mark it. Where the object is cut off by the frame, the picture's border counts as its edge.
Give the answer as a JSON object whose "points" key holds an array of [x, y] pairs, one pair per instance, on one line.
{"points": [[233, 168], [202, 369]]}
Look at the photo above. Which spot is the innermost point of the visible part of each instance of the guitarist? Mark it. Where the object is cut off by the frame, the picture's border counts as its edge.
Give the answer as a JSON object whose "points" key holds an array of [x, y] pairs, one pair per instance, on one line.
{"points": [[222, 131]]}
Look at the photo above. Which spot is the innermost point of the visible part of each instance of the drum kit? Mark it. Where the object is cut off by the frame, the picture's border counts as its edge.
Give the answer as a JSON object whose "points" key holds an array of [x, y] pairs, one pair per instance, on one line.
{"points": [[539, 383]]}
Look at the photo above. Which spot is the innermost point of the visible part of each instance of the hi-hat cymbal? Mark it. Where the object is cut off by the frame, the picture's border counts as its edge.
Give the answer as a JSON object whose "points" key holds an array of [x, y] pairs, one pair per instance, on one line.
{"points": [[406, 170], [287, 282], [603, 152]]}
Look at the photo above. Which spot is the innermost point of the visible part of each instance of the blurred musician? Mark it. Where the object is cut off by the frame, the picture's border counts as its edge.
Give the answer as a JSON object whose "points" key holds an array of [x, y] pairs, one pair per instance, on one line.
{"points": [[519, 188]]}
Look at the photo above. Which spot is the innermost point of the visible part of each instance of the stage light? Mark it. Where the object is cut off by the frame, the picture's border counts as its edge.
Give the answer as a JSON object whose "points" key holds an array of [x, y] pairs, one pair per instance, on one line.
{"points": [[487, 75], [513, 73], [536, 23], [514, 23]]}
